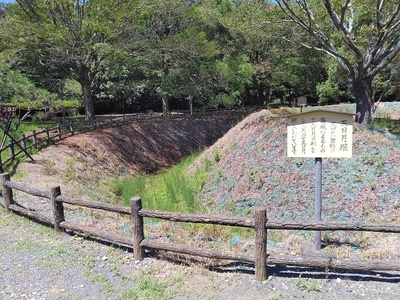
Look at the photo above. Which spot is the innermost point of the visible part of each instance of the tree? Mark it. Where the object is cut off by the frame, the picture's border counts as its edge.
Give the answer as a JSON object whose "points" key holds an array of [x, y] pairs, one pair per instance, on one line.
{"points": [[280, 69], [72, 37], [363, 36], [180, 57]]}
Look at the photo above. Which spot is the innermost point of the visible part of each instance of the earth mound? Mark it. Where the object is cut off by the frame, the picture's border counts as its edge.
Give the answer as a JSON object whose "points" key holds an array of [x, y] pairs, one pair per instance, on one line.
{"points": [[250, 167], [79, 163]]}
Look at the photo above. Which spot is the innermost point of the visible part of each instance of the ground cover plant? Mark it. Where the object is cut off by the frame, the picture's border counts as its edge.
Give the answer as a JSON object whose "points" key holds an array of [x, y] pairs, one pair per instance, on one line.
{"points": [[253, 170]]}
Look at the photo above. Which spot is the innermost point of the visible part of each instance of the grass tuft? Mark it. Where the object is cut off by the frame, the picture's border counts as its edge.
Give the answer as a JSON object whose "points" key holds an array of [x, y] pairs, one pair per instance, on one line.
{"points": [[170, 190]]}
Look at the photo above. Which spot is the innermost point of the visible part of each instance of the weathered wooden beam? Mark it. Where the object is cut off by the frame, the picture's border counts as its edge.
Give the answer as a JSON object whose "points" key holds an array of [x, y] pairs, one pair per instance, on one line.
{"points": [[95, 204], [31, 214], [28, 190], [330, 225], [260, 253], [137, 230], [58, 208], [329, 263], [102, 234], [198, 218], [194, 251], [6, 191]]}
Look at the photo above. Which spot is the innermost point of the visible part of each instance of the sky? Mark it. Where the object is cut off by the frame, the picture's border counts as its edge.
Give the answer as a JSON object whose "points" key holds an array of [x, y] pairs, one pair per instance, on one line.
{"points": [[7, 1]]}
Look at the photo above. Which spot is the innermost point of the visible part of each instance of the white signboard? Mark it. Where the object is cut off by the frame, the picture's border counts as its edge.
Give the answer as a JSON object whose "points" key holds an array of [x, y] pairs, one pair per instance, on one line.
{"points": [[302, 101], [320, 134]]}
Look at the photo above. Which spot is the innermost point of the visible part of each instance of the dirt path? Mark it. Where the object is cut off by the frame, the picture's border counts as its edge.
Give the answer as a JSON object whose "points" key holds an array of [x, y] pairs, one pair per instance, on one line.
{"points": [[38, 264]]}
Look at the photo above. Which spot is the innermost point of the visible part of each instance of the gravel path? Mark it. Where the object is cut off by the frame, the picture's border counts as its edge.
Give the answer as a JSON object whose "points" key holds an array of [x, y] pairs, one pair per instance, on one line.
{"points": [[37, 263]]}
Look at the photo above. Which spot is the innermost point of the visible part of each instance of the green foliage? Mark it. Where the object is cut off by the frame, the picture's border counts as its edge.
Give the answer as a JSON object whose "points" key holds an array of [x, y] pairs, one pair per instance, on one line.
{"points": [[216, 53], [171, 190], [352, 34], [334, 89], [308, 284], [72, 90], [386, 123], [17, 89], [69, 39], [149, 289]]}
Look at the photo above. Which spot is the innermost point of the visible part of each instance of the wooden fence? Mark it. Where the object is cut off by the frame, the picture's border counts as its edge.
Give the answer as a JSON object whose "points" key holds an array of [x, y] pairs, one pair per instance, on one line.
{"points": [[43, 138], [139, 242]]}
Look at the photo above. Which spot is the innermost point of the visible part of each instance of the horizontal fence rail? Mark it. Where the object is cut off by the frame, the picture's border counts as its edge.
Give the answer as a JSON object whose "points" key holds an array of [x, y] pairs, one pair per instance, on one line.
{"points": [[138, 242], [39, 139]]}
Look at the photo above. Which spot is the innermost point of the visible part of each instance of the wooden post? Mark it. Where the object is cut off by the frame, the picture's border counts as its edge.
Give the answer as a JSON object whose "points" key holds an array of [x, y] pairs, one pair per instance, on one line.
{"points": [[11, 147], [48, 136], [138, 230], [318, 201], [58, 208], [24, 141], [260, 254], [71, 128], [59, 130], [34, 139], [7, 192], [64, 115]]}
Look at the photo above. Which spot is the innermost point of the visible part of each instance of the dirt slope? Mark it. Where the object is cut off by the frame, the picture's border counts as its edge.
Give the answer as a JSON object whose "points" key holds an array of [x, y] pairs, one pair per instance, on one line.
{"points": [[80, 162], [250, 168]]}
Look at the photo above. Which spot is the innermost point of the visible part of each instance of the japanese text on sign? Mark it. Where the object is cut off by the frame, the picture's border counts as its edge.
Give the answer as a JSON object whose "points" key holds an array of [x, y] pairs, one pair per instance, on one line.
{"points": [[320, 134]]}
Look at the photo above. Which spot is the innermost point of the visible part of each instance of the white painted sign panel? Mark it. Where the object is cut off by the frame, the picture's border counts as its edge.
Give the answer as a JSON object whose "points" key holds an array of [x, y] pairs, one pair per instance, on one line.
{"points": [[302, 101], [320, 134]]}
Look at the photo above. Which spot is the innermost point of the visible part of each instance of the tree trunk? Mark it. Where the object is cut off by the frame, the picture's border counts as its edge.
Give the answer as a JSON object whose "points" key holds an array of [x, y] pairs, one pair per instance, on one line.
{"points": [[85, 81], [165, 105], [364, 101], [88, 102], [190, 98]]}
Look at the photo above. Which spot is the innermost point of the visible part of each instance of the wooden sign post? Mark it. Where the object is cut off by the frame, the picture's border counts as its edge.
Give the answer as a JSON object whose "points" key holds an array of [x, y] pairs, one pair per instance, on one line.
{"points": [[319, 134], [302, 101]]}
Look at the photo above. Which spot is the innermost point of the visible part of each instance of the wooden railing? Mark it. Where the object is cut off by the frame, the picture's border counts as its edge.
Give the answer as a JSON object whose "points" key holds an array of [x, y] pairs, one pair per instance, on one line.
{"points": [[139, 242], [43, 138]]}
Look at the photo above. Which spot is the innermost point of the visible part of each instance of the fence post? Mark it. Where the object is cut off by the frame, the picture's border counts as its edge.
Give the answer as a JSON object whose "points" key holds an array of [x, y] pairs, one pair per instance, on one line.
{"points": [[11, 147], [24, 141], [48, 137], [138, 230], [7, 192], [59, 130], [34, 139], [260, 254], [71, 128], [58, 208]]}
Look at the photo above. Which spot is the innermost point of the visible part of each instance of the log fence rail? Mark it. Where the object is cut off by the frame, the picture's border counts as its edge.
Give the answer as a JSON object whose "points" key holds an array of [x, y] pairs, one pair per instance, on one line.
{"points": [[138, 241]]}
